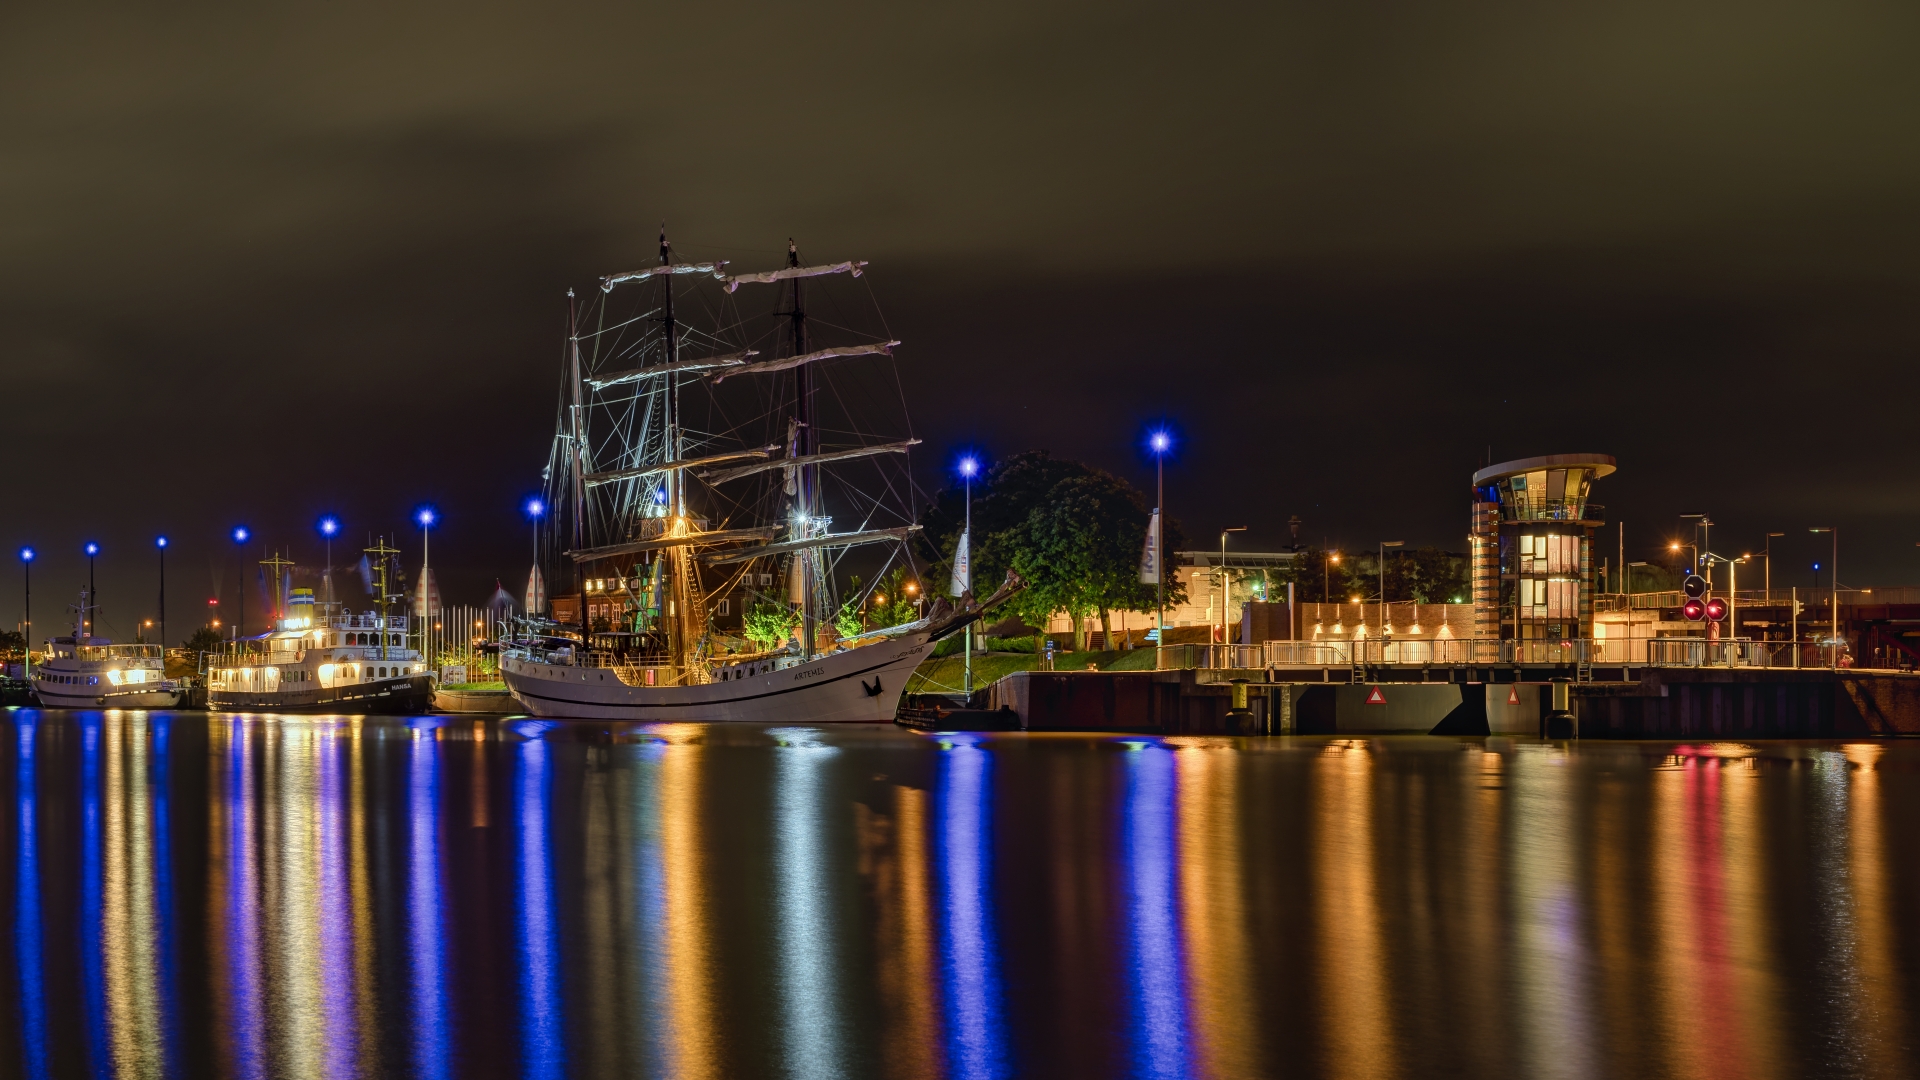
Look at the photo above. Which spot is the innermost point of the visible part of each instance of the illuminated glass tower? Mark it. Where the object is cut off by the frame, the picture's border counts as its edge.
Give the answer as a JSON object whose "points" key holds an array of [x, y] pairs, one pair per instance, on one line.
{"points": [[1532, 553]]}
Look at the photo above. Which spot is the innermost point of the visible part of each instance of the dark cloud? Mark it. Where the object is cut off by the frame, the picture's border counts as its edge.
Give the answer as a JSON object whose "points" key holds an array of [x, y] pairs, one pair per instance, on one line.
{"points": [[312, 257]]}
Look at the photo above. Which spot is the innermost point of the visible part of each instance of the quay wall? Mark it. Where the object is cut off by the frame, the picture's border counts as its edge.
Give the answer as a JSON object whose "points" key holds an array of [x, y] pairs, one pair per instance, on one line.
{"points": [[1662, 703]]}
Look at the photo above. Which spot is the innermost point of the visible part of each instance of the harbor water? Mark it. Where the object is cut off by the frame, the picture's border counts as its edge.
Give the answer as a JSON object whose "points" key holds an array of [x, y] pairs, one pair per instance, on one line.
{"points": [[200, 895]]}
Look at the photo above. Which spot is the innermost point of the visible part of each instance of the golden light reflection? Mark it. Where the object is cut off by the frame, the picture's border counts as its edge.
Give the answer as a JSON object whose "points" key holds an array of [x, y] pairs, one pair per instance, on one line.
{"points": [[1351, 961], [1213, 914], [1881, 1017], [695, 1052], [894, 860], [1749, 931], [128, 925]]}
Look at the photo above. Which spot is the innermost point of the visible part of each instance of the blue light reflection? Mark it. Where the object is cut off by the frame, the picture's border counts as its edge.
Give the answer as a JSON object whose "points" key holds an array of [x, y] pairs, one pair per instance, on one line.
{"points": [[542, 1049], [26, 917], [970, 956], [1154, 964]]}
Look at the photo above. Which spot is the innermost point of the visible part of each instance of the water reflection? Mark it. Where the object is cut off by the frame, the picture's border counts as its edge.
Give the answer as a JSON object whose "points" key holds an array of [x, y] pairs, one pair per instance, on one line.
{"points": [[1352, 963], [335, 897]]}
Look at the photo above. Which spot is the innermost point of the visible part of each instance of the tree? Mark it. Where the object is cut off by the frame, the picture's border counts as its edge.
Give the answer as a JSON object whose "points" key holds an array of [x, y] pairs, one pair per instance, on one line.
{"points": [[769, 625], [1075, 533], [205, 639], [12, 643]]}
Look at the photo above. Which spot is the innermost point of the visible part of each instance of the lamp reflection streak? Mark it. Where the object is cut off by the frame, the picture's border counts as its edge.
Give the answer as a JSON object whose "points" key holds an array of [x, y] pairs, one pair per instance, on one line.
{"points": [[92, 939], [28, 954], [689, 951], [1880, 1015], [971, 962], [425, 946], [541, 1048], [916, 1047], [1213, 911], [1352, 959], [1154, 963], [810, 1021], [334, 917], [1551, 954]]}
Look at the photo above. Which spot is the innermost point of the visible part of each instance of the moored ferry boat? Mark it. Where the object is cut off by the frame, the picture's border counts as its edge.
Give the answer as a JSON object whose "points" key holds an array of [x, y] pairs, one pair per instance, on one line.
{"points": [[86, 672], [340, 663]]}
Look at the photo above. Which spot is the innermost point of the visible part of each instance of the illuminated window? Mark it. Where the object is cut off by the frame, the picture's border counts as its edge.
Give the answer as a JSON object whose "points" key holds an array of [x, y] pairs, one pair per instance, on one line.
{"points": [[724, 607]]}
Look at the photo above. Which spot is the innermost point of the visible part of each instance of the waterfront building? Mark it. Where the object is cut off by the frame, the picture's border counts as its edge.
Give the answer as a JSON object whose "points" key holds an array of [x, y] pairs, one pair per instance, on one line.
{"points": [[1532, 551]]}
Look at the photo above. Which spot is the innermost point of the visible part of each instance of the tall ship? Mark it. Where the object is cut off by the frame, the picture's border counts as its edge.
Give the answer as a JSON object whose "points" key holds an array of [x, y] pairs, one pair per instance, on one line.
{"points": [[86, 672], [726, 466], [321, 658]]}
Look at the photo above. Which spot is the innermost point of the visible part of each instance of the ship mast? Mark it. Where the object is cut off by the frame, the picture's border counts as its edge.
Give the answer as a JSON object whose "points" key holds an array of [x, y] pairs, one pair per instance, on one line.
{"points": [[804, 446], [381, 555], [576, 434], [680, 616]]}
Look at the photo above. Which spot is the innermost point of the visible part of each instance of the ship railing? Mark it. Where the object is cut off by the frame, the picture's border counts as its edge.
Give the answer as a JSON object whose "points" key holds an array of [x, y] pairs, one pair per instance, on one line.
{"points": [[363, 622]]}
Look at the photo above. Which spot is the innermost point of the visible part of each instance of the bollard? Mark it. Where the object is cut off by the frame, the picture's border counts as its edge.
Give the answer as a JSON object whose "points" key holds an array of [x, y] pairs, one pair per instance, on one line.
{"points": [[1561, 723], [1240, 712]]}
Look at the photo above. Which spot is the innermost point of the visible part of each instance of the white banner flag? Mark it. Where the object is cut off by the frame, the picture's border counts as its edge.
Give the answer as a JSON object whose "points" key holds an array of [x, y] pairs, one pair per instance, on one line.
{"points": [[962, 569], [536, 593], [1150, 555]]}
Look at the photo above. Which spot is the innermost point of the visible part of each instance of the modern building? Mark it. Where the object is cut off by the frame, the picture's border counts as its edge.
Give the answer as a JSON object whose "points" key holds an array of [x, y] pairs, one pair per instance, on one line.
{"points": [[1532, 547]]}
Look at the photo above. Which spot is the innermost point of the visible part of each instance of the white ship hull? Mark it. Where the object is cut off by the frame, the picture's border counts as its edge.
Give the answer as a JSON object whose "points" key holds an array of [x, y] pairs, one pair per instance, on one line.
{"points": [[76, 697], [858, 686]]}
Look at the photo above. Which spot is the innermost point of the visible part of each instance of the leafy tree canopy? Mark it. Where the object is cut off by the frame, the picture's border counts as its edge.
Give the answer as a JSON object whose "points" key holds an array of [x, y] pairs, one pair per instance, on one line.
{"points": [[1073, 531]]}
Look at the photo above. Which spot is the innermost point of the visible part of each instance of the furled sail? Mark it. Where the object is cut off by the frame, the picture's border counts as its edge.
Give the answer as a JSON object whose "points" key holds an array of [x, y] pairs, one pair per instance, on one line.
{"points": [[701, 539], [704, 363], [721, 476], [786, 273], [596, 479], [870, 536], [607, 283], [883, 348]]}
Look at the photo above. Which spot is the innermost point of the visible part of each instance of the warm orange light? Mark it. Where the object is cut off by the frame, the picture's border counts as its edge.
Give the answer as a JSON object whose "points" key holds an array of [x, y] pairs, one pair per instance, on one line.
{"points": [[1675, 546], [1335, 557], [911, 587]]}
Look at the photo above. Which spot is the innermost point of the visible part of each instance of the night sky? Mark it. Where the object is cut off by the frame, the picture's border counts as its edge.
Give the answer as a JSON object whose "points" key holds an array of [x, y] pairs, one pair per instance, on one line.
{"points": [[260, 262]]}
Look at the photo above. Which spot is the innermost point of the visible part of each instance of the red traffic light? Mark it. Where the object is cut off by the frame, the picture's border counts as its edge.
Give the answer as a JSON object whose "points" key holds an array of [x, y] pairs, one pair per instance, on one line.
{"points": [[1694, 610], [1716, 609]]}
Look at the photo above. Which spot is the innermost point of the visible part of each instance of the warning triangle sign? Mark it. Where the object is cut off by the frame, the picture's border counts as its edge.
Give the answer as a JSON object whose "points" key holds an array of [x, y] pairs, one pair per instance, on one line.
{"points": [[1513, 695], [1375, 697]]}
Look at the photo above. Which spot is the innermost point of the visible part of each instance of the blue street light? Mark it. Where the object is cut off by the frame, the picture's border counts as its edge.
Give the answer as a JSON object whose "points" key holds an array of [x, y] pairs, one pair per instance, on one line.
{"points": [[1160, 442], [328, 526], [535, 510], [26, 615], [161, 543], [93, 596], [240, 535], [426, 517], [969, 467]]}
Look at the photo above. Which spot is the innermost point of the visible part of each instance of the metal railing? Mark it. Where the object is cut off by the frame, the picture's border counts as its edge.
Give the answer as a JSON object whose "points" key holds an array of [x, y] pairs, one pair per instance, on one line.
{"points": [[1699, 652], [1638, 652]]}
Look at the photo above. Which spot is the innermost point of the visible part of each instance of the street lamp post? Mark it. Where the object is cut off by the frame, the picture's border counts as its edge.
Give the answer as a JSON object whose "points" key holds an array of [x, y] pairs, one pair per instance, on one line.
{"points": [[1833, 572], [425, 517], [328, 526], [161, 543], [240, 535], [1384, 625], [969, 466], [1160, 442], [1326, 576], [93, 597], [535, 509], [26, 613], [1226, 583]]}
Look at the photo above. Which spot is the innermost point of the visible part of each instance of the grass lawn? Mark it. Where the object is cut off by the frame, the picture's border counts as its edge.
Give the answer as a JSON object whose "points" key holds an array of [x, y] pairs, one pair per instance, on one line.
{"points": [[946, 674]]}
